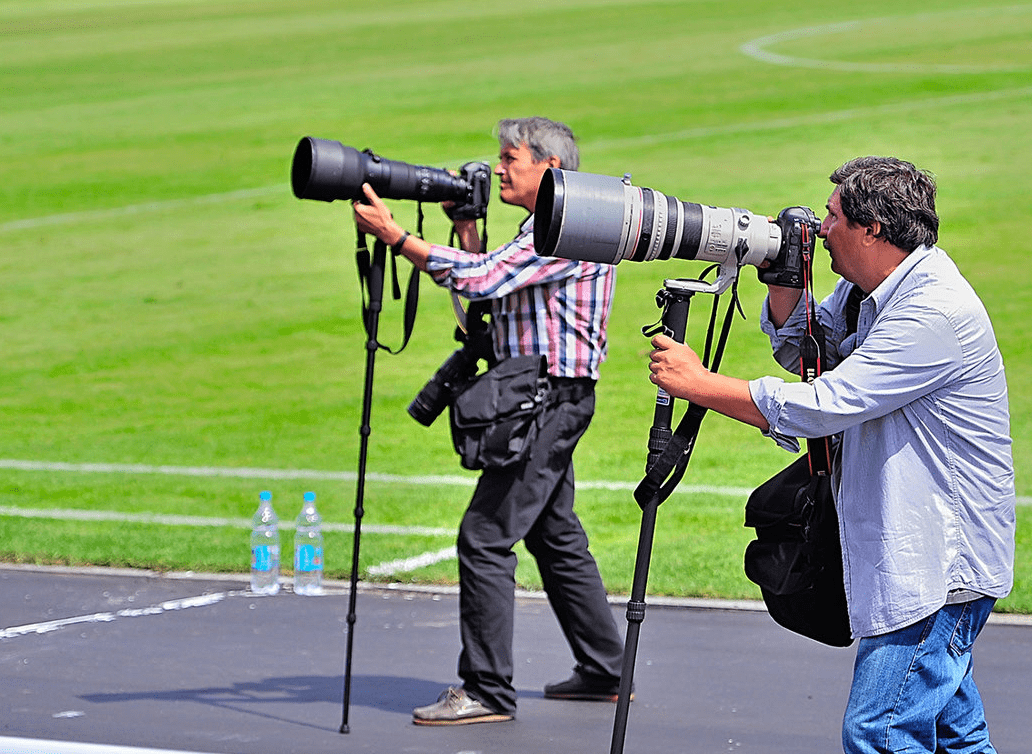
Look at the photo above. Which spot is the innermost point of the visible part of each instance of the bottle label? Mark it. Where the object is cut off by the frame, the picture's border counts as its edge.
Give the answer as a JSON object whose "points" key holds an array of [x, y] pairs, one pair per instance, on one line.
{"points": [[263, 557], [308, 558]]}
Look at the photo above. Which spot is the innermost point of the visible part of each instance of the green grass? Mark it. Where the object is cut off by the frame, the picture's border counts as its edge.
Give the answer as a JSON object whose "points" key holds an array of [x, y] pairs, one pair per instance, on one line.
{"points": [[166, 300]]}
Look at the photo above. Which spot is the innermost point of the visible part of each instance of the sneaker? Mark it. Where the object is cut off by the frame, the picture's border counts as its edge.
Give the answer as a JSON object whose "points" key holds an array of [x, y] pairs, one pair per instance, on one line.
{"points": [[584, 687], [456, 707]]}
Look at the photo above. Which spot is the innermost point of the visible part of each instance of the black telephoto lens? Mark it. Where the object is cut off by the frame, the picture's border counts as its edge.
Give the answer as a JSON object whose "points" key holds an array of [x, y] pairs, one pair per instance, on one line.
{"points": [[328, 170]]}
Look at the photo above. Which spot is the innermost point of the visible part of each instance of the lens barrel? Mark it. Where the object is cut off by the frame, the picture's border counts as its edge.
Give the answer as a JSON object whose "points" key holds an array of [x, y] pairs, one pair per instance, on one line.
{"points": [[327, 170], [599, 218]]}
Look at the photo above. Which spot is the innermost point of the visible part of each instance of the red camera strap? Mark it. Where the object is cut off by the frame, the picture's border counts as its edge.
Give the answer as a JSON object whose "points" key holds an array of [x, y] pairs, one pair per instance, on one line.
{"points": [[812, 357]]}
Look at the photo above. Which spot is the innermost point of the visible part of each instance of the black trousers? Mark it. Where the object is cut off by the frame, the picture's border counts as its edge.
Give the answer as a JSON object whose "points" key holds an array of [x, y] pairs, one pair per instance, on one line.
{"points": [[532, 501]]}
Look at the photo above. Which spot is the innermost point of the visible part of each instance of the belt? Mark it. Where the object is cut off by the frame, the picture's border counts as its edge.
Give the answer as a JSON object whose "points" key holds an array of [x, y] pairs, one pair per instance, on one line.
{"points": [[569, 389]]}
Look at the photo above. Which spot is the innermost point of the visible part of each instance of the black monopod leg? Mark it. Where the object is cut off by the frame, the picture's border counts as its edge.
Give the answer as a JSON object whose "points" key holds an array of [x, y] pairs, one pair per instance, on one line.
{"points": [[373, 279], [669, 453]]}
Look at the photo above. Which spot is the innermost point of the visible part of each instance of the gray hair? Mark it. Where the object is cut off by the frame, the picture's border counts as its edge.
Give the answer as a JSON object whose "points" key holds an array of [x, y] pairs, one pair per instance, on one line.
{"points": [[543, 137], [893, 193]]}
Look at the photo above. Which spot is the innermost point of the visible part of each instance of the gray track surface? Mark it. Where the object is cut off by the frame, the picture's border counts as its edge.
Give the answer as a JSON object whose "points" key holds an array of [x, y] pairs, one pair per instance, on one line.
{"points": [[235, 673]]}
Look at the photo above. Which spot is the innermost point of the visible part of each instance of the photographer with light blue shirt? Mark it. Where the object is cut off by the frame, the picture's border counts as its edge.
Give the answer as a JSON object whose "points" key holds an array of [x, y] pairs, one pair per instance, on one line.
{"points": [[923, 476]]}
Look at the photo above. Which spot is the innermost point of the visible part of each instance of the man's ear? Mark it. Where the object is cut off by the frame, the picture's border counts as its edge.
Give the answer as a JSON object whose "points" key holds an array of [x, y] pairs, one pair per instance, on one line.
{"points": [[872, 233], [554, 162]]}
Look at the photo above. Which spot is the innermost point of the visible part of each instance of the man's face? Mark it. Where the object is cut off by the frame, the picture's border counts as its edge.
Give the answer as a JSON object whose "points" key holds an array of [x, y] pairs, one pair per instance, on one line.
{"points": [[842, 239], [519, 176]]}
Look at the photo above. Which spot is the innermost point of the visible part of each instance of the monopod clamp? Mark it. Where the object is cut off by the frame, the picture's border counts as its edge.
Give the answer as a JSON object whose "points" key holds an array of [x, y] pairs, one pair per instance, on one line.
{"points": [[668, 456]]}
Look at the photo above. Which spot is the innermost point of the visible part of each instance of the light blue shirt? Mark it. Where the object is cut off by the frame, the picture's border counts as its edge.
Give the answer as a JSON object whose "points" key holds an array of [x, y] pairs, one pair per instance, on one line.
{"points": [[925, 487]]}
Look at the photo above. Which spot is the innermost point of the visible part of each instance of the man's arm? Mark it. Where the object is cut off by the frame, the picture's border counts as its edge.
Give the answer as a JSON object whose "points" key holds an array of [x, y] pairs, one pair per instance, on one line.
{"points": [[469, 236], [677, 369], [781, 302]]}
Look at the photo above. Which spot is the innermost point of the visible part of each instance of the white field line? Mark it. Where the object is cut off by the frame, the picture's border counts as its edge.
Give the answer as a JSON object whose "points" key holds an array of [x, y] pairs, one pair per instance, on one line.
{"points": [[753, 48], [383, 569], [69, 218], [756, 48], [443, 480], [317, 475], [167, 519], [411, 564]]}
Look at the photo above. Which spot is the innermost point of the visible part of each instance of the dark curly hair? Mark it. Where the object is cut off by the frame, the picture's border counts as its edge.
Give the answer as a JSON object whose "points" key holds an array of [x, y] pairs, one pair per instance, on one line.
{"points": [[893, 193]]}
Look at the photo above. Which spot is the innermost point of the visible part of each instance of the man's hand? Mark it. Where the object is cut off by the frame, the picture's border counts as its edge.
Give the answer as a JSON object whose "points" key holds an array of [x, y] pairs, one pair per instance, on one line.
{"points": [[375, 218], [677, 369]]}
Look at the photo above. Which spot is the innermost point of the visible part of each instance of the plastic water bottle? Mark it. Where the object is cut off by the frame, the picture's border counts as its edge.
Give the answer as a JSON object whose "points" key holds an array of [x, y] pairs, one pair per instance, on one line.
{"points": [[308, 549], [265, 547]]}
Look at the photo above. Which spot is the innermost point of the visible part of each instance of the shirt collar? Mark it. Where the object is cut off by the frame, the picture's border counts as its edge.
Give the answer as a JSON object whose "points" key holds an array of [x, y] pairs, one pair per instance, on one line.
{"points": [[888, 287]]}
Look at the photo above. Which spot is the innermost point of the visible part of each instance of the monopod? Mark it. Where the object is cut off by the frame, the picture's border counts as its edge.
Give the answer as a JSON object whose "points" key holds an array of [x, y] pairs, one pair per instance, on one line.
{"points": [[669, 453], [371, 270]]}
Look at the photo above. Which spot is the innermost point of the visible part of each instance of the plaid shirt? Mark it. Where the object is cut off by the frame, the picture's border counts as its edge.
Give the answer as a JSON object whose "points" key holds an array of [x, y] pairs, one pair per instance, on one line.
{"points": [[539, 305]]}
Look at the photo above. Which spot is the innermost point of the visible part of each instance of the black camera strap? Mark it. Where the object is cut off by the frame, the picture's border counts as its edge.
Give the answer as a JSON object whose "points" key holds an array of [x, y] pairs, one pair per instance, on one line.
{"points": [[371, 271]]}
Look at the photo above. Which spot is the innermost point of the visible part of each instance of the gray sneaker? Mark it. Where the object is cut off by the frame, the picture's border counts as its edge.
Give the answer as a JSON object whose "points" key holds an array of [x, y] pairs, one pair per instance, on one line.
{"points": [[456, 707]]}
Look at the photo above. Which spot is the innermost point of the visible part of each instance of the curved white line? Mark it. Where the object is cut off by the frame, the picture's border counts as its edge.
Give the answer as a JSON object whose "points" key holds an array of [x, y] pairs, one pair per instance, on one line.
{"points": [[756, 48]]}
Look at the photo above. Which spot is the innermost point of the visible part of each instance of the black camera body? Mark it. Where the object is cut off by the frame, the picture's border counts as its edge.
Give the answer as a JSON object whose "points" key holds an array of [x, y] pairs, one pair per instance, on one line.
{"points": [[799, 227], [458, 370], [327, 170], [478, 176]]}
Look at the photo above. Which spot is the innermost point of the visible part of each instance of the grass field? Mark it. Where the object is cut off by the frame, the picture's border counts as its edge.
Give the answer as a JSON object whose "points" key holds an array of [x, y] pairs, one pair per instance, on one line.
{"points": [[168, 303]]}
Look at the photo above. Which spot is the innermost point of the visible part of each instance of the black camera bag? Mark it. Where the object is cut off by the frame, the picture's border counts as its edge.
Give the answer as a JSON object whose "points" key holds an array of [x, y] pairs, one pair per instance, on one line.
{"points": [[494, 420], [796, 558]]}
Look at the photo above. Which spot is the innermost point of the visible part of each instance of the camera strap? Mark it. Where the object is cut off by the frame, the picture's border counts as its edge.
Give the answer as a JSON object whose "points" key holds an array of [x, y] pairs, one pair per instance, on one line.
{"points": [[813, 357], [371, 271], [465, 316]]}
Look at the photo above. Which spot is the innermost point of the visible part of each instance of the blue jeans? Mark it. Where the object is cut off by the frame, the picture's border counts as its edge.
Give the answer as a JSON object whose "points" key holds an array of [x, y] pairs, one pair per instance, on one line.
{"points": [[913, 690]]}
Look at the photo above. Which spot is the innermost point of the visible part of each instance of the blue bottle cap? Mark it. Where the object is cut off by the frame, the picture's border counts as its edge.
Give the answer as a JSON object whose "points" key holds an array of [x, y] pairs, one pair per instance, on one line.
{"points": [[309, 497], [265, 495]]}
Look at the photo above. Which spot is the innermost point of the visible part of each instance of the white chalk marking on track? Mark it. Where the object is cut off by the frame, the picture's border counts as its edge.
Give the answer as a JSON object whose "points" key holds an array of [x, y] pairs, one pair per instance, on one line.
{"points": [[107, 617], [10, 745]]}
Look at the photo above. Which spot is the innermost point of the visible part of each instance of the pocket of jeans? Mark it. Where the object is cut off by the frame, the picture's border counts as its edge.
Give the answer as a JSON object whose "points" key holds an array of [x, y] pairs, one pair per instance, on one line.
{"points": [[971, 619]]}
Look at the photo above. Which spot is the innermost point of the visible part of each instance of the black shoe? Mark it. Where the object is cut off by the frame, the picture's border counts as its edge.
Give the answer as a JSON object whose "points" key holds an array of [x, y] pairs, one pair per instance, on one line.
{"points": [[584, 687]]}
